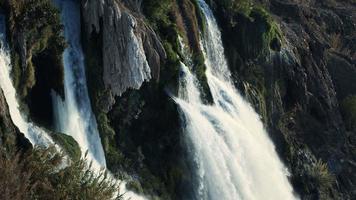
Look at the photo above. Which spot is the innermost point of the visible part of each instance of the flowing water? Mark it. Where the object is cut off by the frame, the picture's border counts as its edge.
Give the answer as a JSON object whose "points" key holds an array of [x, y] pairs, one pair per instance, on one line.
{"points": [[233, 155], [33, 133], [74, 115]]}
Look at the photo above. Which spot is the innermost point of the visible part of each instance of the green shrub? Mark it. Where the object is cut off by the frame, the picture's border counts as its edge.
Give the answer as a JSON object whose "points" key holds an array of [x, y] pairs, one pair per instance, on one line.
{"points": [[321, 178], [157, 11], [69, 145], [37, 175]]}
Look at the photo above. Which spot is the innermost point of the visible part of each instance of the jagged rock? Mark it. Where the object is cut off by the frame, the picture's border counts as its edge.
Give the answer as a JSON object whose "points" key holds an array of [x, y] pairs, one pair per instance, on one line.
{"points": [[131, 51], [93, 10], [11, 140], [343, 72], [154, 51]]}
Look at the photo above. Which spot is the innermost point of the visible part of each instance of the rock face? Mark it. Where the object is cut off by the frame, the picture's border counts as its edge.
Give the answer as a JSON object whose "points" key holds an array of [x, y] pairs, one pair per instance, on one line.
{"points": [[7, 129], [298, 88], [11, 140], [294, 61], [34, 34], [131, 51]]}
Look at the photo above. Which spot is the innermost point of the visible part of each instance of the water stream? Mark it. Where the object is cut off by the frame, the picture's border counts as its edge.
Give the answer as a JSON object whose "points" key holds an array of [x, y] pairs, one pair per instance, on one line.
{"points": [[36, 135], [234, 157], [73, 115]]}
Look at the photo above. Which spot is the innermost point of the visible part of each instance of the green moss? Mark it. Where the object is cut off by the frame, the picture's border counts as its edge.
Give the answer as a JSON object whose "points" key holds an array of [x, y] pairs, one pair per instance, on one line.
{"points": [[29, 79], [240, 6], [104, 122], [199, 69], [34, 27], [16, 69], [69, 145], [249, 29], [258, 34], [115, 159], [272, 33], [200, 16], [157, 12]]}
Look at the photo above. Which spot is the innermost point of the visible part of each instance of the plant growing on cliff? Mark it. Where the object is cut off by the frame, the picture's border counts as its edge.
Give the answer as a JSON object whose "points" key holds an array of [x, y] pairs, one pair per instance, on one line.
{"points": [[157, 11], [34, 27], [38, 174], [241, 6], [322, 178]]}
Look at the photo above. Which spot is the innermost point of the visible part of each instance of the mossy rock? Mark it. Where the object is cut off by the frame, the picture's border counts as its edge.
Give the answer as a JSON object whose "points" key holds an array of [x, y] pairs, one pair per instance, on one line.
{"points": [[240, 6], [34, 27], [69, 145], [258, 34]]}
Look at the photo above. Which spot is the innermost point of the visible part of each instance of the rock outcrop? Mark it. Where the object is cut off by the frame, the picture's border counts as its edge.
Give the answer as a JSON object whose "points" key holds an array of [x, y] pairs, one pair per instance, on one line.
{"points": [[298, 87], [11, 140], [132, 53]]}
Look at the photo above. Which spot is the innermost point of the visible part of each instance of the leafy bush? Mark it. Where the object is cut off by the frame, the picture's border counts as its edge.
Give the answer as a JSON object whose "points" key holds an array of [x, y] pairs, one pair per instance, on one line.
{"points": [[157, 11], [321, 179], [38, 175], [321, 175], [69, 145]]}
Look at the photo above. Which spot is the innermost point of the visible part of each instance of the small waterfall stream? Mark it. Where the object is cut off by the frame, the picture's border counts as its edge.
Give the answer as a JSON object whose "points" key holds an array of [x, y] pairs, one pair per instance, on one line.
{"points": [[233, 155], [33, 133], [74, 115]]}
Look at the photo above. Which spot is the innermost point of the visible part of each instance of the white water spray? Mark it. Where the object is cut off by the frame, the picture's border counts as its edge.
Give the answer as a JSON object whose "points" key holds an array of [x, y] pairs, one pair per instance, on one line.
{"points": [[234, 156], [33, 133], [74, 115]]}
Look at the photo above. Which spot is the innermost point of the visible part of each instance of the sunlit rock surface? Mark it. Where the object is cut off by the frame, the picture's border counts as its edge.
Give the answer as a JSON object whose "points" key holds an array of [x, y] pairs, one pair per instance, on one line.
{"points": [[131, 51]]}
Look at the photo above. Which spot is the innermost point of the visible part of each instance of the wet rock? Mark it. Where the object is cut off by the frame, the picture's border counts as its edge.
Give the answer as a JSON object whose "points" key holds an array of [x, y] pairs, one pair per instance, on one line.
{"points": [[132, 52], [11, 139], [302, 92]]}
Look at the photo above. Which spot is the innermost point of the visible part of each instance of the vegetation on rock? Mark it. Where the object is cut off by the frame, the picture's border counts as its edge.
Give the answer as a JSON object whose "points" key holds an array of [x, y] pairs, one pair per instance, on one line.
{"points": [[36, 43], [39, 174], [281, 67], [34, 28], [68, 144]]}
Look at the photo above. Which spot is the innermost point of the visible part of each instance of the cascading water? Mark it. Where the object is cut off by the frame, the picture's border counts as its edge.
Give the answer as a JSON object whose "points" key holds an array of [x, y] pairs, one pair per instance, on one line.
{"points": [[232, 152], [33, 133], [74, 115]]}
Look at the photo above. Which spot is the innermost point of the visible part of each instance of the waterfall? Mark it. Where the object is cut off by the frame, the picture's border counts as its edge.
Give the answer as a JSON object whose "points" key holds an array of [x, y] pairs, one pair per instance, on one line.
{"points": [[232, 153], [33, 133], [74, 115]]}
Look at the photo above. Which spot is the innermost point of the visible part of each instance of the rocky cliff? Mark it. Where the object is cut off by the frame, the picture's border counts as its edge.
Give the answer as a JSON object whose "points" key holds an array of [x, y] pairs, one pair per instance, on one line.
{"points": [[294, 60], [290, 63], [132, 52], [11, 140]]}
